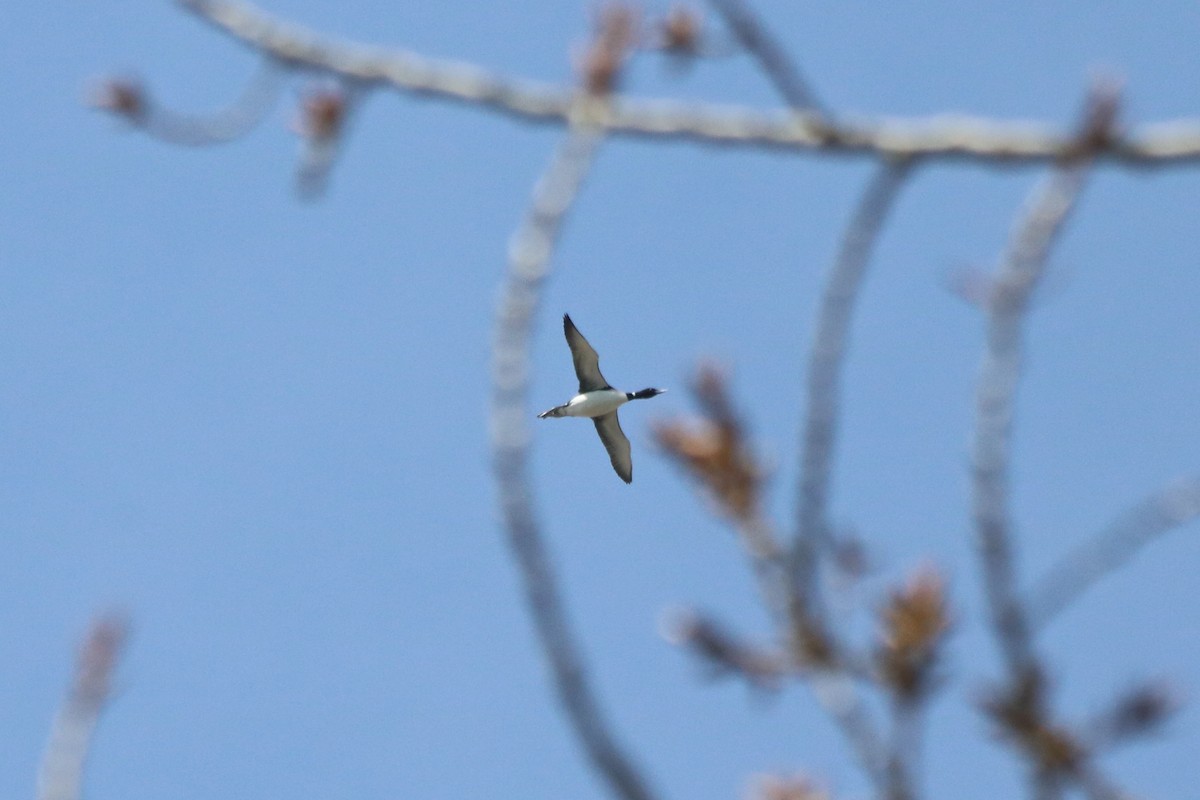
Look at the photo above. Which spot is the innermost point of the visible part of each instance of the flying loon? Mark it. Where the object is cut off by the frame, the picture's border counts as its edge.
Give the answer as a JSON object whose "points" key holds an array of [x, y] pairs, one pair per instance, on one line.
{"points": [[598, 400]]}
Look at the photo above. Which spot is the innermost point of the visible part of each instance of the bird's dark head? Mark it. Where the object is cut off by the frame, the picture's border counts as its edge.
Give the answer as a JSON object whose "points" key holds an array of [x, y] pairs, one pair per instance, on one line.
{"points": [[646, 394]]}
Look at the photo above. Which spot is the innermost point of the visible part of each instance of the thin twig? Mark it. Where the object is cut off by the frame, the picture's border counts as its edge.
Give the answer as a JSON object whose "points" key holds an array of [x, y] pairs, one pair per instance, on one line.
{"points": [[823, 376], [943, 136], [999, 374], [904, 750], [759, 42], [838, 695], [824, 370], [529, 261], [1170, 507], [61, 773], [130, 100], [1054, 750], [1045, 785]]}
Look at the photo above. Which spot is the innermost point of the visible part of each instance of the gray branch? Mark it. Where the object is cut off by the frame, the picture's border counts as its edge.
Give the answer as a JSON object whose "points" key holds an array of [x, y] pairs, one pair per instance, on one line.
{"points": [[529, 262], [774, 60], [1172, 506], [826, 358], [1018, 276], [944, 136], [131, 101], [823, 376], [61, 773]]}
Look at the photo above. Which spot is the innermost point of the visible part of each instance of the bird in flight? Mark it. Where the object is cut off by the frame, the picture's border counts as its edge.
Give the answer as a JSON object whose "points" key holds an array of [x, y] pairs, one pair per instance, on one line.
{"points": [[598, 400]]}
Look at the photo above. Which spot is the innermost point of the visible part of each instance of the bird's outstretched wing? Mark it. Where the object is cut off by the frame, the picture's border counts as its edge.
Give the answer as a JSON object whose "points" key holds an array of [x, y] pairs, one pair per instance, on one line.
{"points": [[616, 443], [587, 363]]}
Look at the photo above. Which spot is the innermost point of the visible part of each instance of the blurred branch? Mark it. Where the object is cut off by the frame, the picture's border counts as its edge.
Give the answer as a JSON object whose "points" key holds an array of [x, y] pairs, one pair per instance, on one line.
{"points": [[1018, 276], [719, 457], [529, 261], [1076, 572], [130, 100], [943, 136], [1022, 706], [726, 653], [325, 112], [759, 42], [999, 375], [1137, 713], [904, 751], [823, 378], [61, 774], [839, 696], [826, 357]]}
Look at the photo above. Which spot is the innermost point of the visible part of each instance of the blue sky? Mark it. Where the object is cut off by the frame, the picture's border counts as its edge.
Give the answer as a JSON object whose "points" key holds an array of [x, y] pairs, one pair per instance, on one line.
{"points": [[258, 424]]}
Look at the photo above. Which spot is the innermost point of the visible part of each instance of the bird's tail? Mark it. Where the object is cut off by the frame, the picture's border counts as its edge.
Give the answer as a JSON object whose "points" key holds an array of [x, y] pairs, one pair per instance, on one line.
{"points": [[557, 411]]}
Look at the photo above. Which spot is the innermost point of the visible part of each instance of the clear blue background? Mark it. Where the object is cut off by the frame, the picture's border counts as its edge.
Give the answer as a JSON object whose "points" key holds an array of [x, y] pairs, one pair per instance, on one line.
{"points": [[258, 424]]}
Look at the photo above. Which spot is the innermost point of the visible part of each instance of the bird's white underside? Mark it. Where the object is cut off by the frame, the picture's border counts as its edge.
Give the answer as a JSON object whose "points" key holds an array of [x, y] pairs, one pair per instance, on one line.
{"points": [[595, 404]]}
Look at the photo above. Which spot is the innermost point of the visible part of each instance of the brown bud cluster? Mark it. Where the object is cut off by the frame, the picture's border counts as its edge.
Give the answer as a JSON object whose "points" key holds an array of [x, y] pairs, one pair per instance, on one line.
{"points": [[322, 113], [681, 31], [601, 63], [124, 97], [98, 658], [715, 452], [796, 787], [914, 623]]}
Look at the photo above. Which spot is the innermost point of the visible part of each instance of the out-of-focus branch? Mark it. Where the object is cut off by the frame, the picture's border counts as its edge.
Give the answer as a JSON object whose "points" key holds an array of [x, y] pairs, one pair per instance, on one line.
{"points": [[1007, 305], [325, 111], [810, 630], [823, 382], [726, 653], [130, 100], [529, 261], [1167, 509], [943, 136], [1021, 706], [759, 42], [717, 453], [995, 397], [61, 774], [1137, 713], [838, 694]]}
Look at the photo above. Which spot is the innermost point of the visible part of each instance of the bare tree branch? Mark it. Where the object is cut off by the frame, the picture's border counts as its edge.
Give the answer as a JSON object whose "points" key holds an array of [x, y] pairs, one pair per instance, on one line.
{"points": [[823, 379], [944, 136], [775, 62], [999, 374], [724, 652], [839, 696], [61, 774], [1172, 506], [130, 100], [837, 692], [720, 456], [529, 262]]}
